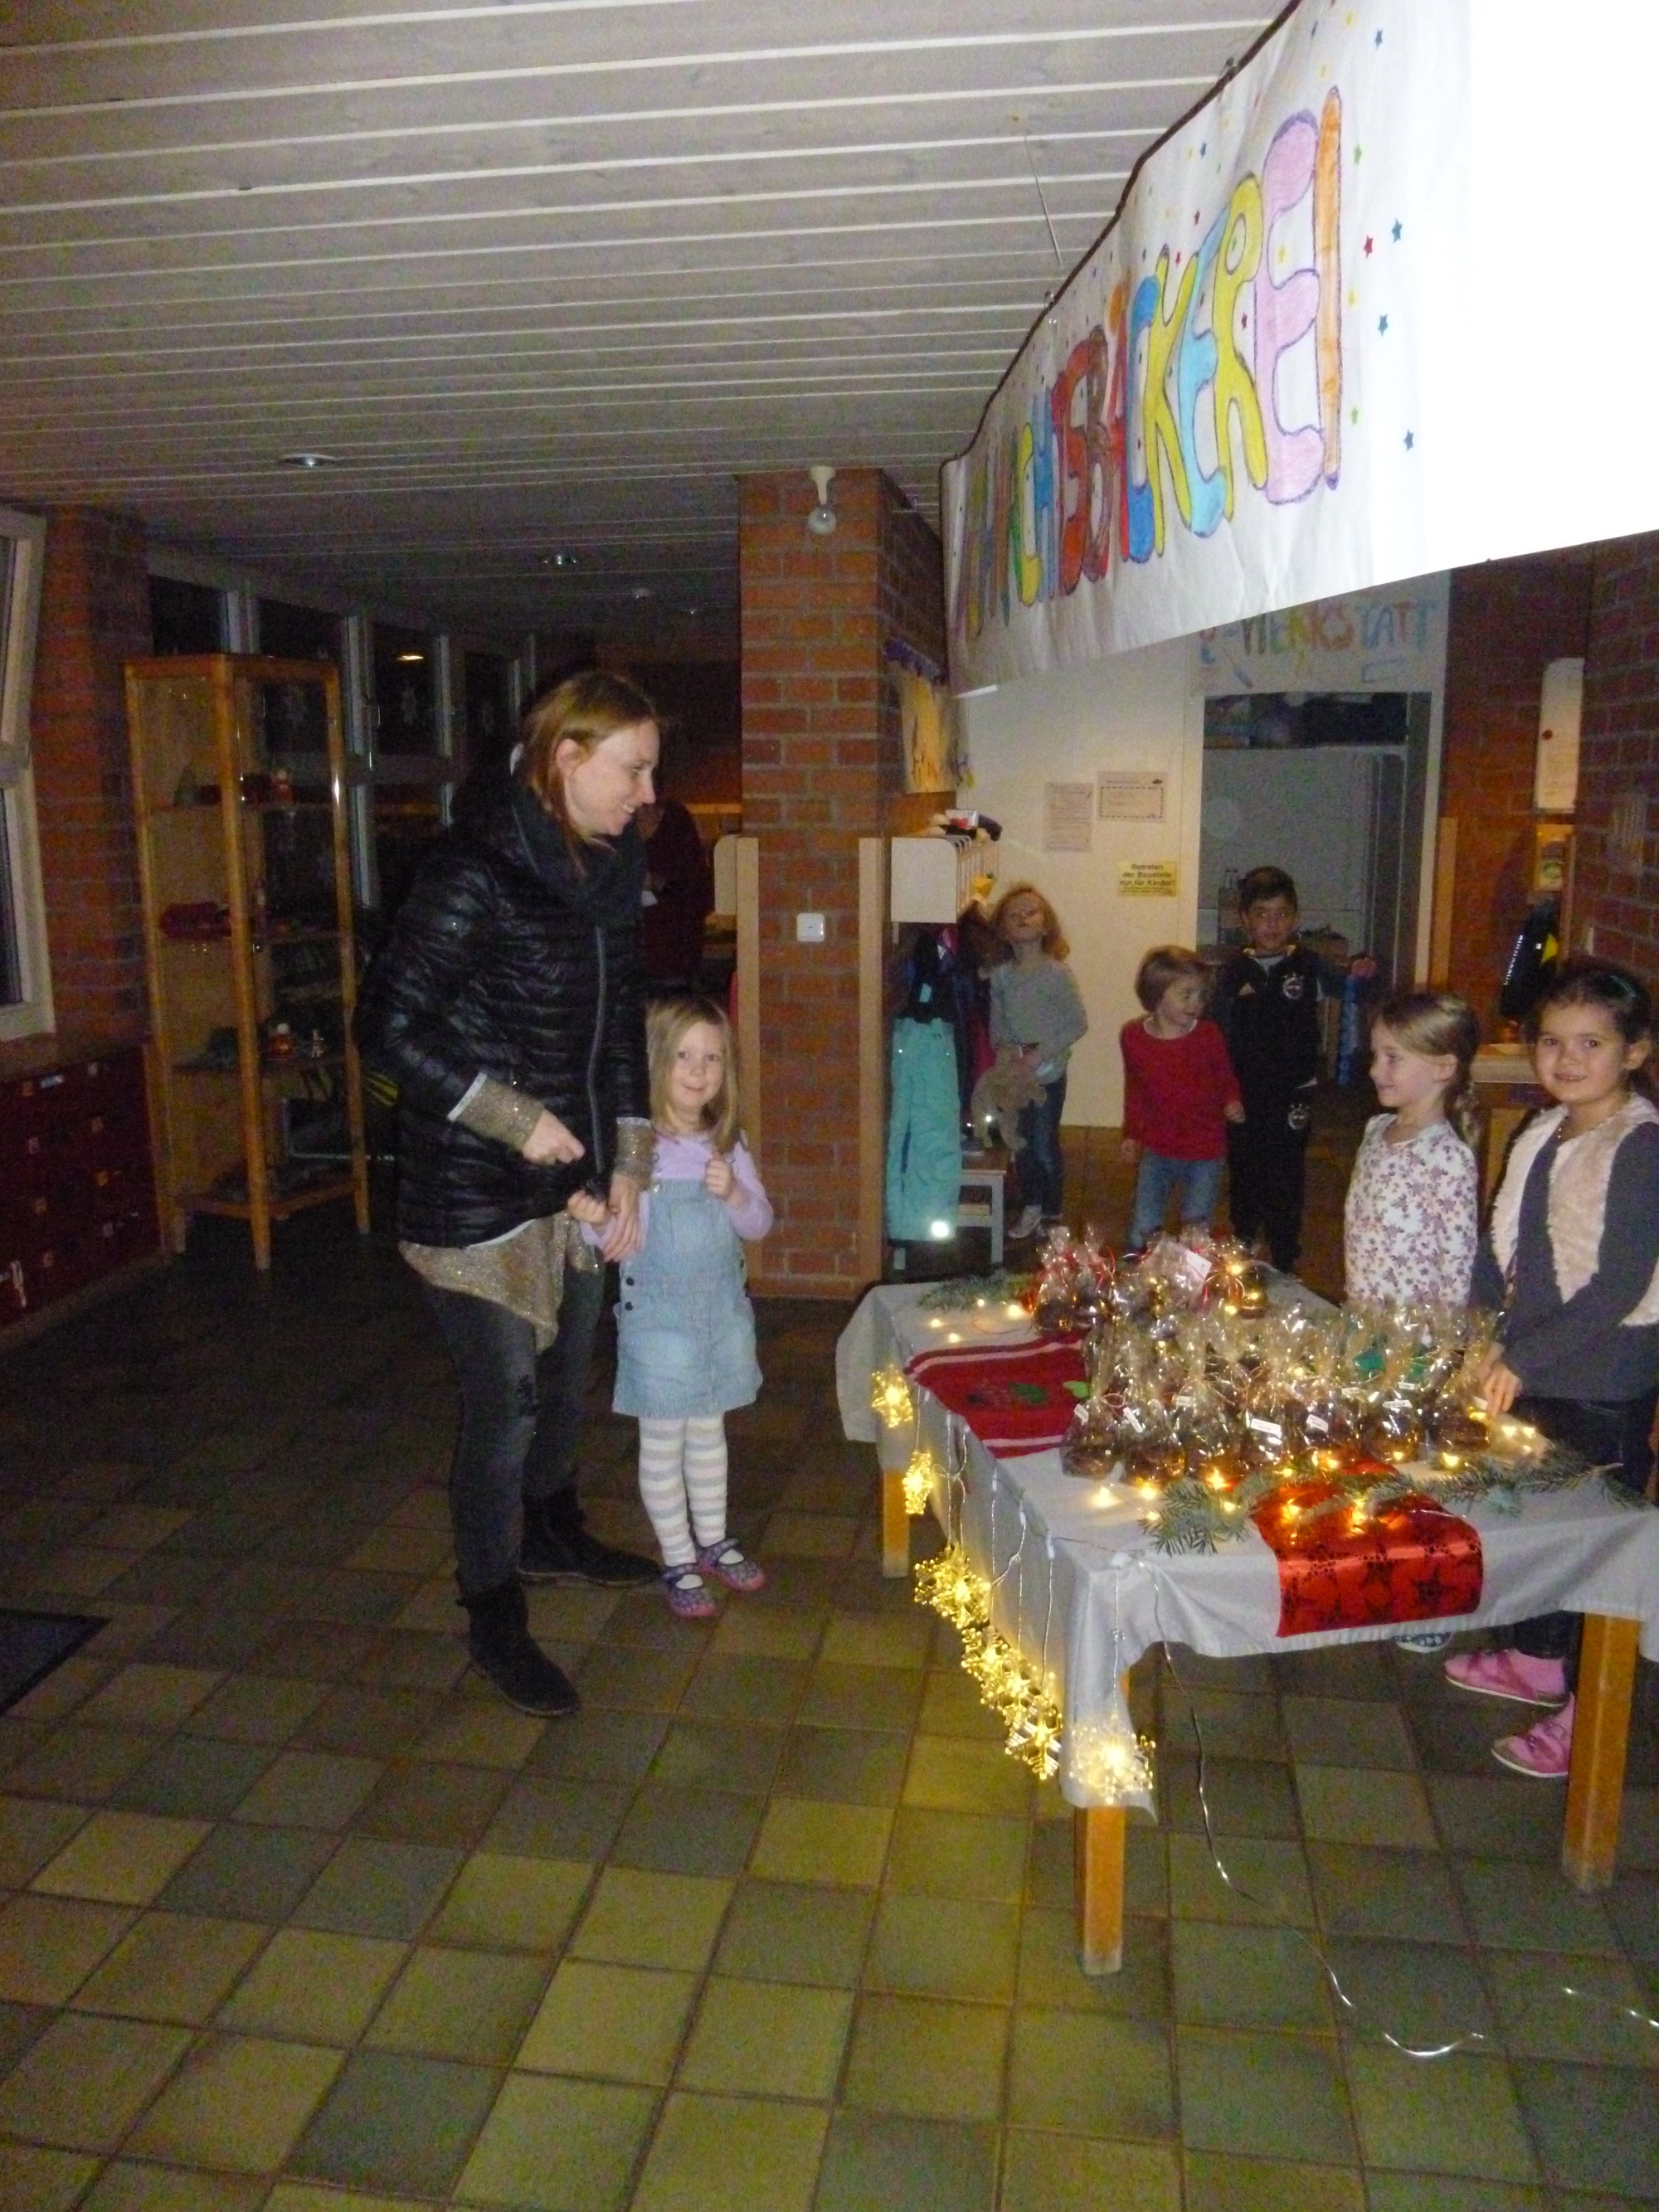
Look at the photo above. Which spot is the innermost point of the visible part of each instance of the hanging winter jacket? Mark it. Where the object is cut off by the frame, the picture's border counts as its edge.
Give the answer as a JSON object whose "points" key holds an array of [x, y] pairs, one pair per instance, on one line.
{"points": [[924, 1135]]}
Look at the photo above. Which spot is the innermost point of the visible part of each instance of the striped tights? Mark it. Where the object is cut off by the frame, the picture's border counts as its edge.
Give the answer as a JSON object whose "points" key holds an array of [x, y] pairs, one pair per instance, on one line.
{"points": [[682, 1463]]}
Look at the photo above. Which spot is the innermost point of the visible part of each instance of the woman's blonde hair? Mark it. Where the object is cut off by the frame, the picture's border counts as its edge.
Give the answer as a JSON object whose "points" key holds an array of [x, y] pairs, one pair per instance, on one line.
{"points": [[1433, 1024], [666, 1021], [586, 708], [1054, 937]]}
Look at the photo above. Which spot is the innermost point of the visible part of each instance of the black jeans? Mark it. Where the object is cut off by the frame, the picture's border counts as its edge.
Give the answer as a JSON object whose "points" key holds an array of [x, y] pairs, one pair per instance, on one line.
{"points": [[1613, 1436], [521, 1418], [1267, 1173]]}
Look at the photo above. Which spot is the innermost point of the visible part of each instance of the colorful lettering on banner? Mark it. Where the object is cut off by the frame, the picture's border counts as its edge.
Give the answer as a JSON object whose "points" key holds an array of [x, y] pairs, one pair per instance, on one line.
{"points": [[1234, 390], [1173, 408], [1285, 311]]}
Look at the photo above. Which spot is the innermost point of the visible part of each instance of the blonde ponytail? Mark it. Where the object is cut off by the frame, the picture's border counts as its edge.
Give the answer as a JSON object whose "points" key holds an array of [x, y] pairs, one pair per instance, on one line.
{"points": [[1439, 1024]]}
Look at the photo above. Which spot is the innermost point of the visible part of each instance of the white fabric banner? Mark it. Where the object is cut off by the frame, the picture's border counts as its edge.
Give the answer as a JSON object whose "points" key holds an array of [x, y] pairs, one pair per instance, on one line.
{"points": [[1292, 368]]}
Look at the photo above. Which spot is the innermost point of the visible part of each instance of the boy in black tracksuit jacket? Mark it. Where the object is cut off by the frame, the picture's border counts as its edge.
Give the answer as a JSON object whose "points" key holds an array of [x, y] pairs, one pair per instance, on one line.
{"points": [[1267, 1005]]}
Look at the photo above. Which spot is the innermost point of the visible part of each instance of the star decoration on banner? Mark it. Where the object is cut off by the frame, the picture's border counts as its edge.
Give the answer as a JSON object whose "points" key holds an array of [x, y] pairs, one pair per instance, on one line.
{"points": [[1378, 40], [1411, 439], [1369, 243], [1381, 326], [1394, 232]]}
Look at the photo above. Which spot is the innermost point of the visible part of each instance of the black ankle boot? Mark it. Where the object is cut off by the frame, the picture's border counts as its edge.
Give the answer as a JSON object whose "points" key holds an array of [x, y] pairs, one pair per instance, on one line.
{"points": [[556, 1547], [499, 1638]]}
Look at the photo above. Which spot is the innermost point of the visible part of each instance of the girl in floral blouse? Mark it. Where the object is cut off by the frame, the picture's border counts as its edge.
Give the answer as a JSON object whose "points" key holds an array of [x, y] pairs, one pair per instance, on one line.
{"points": [[1409, 1224]]}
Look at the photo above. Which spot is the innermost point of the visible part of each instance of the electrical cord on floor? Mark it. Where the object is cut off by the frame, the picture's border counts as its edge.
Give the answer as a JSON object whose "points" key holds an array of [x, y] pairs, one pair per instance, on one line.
{"points": [[1472, 2037]]}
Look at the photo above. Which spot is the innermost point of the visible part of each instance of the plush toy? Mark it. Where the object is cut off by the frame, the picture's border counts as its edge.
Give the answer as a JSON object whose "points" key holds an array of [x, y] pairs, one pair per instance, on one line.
{"points": [[1009, 1083]]}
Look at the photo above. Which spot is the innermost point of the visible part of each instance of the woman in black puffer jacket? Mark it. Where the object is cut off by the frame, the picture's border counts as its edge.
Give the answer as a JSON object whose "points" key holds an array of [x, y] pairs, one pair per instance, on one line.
{"points": [[506, 1004]]}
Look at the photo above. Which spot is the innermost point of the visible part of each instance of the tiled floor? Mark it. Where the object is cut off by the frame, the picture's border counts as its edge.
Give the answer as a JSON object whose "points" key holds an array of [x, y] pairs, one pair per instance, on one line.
{"points": [[297, 1915]]}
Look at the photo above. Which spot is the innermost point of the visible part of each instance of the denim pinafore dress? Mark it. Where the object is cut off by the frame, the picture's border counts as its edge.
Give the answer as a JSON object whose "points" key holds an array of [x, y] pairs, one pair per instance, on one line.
{"points": [[685, 1330]]}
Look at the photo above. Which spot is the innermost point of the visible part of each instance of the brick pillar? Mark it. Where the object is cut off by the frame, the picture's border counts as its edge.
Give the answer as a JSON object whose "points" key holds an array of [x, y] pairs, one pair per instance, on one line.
{"points": [[1508, 619], [1616, 870], [94, 613], [821, 769]]}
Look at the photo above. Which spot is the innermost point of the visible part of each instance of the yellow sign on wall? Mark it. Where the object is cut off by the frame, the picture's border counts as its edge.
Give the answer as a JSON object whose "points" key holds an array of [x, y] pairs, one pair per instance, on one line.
{"points": [[1146, 879]]}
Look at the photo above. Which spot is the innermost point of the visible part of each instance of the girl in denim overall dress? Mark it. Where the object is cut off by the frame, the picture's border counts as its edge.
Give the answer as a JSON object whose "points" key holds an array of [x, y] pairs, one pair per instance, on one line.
{"points": [[685, 1330]]}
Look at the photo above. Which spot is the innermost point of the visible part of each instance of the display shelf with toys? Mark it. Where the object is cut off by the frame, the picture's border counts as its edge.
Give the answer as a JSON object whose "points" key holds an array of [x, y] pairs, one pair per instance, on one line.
{"points": [[239, 778]]}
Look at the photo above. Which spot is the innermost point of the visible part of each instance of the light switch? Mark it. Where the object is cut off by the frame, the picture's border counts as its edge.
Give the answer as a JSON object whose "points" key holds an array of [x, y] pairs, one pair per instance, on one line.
{"points": [[809, 929]]}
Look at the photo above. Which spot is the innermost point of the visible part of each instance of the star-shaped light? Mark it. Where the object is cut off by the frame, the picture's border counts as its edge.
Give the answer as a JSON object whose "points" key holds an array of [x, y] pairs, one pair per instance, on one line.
{"points": [[890, 1397], [920, 1477]]}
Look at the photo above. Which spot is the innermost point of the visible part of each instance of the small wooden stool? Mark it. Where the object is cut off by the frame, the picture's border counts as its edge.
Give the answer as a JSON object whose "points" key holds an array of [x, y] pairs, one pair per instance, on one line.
{"points": [[985, 1211]]}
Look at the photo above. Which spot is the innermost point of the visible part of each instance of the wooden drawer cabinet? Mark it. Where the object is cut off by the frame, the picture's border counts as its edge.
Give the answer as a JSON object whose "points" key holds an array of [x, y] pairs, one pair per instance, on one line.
{"points": [[77, 1191]]}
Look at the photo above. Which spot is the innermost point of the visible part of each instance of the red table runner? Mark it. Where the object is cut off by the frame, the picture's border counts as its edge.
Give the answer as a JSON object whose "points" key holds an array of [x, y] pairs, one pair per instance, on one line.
{"points": [[1412, 1561], [1014, 1397]]}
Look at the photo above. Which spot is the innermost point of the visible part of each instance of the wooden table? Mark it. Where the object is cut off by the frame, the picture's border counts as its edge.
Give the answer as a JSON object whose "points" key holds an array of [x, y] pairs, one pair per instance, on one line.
{"points": [[1093, 1566]]}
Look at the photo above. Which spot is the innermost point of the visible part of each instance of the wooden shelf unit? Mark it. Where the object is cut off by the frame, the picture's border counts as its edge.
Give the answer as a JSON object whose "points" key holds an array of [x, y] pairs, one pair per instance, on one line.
{"points": [[236, 880]]}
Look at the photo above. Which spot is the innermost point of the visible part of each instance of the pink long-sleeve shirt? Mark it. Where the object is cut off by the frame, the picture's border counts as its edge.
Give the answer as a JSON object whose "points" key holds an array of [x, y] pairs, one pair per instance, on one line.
{"points": [[683, 1159]]}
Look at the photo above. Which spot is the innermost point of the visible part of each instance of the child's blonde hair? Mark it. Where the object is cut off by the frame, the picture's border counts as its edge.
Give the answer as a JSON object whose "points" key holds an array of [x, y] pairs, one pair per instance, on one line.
{"points": [[1054, 937], [666, 1023], [1433, 1024], [1164, 965]]}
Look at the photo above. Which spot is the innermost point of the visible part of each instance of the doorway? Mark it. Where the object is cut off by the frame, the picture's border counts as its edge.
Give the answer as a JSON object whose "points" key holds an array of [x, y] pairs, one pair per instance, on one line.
{"points": [[1331, 786]]}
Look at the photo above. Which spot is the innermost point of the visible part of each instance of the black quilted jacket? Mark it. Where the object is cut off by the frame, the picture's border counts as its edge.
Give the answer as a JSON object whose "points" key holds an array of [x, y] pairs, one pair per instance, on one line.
{"points": [[508, 959]]}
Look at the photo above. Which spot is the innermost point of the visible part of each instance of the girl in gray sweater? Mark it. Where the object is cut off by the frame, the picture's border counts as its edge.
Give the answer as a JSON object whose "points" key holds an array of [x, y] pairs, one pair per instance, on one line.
{"points": [[1036, 1011]]}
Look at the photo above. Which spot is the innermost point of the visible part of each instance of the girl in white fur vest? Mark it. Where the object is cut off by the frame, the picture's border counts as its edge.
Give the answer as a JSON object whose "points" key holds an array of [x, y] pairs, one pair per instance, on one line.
{"points": [[1572, 1255]]}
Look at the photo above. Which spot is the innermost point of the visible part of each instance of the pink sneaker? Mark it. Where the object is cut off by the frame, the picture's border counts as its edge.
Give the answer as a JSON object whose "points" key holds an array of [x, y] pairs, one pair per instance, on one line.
{"points": [[1508, 1675], [688, 1594], [1545, 1751], [734, 1568]]}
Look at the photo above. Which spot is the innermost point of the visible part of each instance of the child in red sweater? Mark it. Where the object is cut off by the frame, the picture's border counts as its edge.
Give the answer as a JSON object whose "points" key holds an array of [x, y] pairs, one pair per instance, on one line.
{"points": [[1179, 1094]]}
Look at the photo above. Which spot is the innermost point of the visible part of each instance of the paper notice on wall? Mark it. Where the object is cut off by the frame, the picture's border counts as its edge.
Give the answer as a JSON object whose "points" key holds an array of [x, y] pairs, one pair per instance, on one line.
{"points": [[1146, 879], [1130, 796], [1067, 816]]}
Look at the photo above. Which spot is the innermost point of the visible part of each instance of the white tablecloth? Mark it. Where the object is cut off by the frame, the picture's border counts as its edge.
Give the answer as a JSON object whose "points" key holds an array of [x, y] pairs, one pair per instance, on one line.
{"points": [[1070, 1557]]}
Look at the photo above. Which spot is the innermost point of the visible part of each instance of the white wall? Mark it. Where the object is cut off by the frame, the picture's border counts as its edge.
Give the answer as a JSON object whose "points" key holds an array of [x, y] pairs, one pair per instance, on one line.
{"points": [[1138, 710]]}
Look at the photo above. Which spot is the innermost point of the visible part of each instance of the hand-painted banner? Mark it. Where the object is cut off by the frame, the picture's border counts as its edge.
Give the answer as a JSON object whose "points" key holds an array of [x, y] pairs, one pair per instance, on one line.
{"points": [[1219, 414], [1367, 315], [1390, 639]]}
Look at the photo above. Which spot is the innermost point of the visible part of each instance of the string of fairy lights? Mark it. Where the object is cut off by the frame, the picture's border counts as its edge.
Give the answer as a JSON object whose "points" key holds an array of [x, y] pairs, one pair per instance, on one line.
{"points": [[1212, 1412]]}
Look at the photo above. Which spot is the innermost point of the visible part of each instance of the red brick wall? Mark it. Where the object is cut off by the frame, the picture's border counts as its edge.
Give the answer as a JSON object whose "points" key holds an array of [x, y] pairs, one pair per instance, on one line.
{"points": [[1508, 619], [821, 770], [1618, 758], [95, 613]]}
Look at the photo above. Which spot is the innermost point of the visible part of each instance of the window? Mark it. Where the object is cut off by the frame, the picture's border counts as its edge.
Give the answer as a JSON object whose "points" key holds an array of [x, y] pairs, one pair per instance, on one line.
{"points": [[291, 632], [405, 693], [25, 977], [486, 690], [185, 617], [410, 766]]}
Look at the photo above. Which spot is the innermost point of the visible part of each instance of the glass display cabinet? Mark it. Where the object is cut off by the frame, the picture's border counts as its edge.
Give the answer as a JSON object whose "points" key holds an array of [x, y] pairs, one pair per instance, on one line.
{"points": [[238, 782]]}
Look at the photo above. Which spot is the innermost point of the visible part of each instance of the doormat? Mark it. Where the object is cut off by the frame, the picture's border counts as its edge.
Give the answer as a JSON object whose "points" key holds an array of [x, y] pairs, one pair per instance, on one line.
{"points": [[32, 1643]]}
